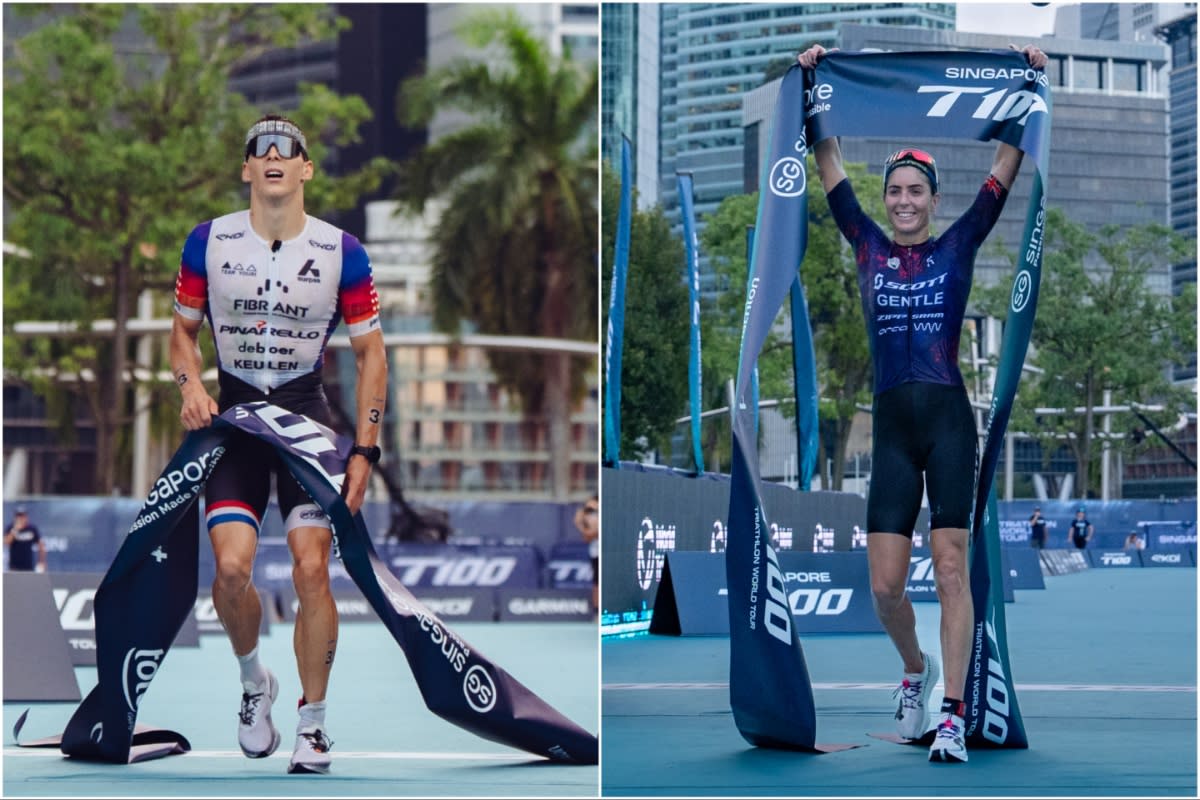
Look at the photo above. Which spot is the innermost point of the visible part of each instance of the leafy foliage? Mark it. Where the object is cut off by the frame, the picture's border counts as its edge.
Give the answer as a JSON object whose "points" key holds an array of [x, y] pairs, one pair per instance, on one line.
{"points": [[1100, 329], [515, 248], [111, 155]]}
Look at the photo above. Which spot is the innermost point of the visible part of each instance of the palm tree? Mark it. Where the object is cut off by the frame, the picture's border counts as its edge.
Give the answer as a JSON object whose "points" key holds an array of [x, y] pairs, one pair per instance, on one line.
{"points": [[515, 247]]}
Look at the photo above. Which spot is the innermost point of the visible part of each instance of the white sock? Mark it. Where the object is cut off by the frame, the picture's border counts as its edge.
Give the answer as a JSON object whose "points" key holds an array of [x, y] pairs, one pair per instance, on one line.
{"points": [[312, 715], [252, 669]]}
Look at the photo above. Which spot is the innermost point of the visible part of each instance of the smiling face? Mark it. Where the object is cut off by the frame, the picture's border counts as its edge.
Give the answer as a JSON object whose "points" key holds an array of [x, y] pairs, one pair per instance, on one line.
{"points": [[272, 177], [910, 204]]}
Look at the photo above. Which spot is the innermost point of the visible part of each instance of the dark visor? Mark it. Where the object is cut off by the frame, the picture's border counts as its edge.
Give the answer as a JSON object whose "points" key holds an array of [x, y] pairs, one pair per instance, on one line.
{"points": [[288, 147]]}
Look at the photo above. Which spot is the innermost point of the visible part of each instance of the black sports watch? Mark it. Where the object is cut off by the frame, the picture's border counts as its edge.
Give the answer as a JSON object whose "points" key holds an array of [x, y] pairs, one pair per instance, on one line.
{"points": [[371, 453]]}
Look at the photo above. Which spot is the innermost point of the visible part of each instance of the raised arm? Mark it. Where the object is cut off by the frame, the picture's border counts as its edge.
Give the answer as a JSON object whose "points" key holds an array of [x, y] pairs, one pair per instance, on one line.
{"points": [[1007, 161], [827, 152]]}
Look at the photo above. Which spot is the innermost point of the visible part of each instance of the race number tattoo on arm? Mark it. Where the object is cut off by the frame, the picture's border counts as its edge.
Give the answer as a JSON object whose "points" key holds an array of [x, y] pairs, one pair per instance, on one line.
{"points": [[374, 416], [183, 378]]}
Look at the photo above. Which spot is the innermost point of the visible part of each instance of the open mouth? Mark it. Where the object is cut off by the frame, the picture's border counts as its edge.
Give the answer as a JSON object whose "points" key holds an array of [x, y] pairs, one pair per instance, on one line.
{"points": [[274, 173]]}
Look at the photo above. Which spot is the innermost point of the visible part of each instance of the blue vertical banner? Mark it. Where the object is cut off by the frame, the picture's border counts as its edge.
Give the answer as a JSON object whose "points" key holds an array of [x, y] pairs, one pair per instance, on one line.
{"points": [[804, 376], [982, 95], [688, 207], [769, 688], [616, 315], [754, 396]]}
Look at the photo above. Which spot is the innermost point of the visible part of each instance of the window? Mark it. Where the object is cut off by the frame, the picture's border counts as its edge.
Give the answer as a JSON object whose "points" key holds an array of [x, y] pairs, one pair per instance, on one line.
{"points": [[1089, 74], [1127, 76], [1056, 70]]}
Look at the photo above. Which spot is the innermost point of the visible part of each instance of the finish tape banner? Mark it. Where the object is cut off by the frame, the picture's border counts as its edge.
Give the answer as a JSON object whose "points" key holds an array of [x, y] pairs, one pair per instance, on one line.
{"points": [[969, 95], [151, 587]]}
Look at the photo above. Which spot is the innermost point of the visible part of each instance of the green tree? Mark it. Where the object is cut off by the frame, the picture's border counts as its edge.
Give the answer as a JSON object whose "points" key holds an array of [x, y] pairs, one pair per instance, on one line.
{"points": [[654, 358], [723, 241], [1100, 329], [515, 248], [111, 156], [830, 278]]}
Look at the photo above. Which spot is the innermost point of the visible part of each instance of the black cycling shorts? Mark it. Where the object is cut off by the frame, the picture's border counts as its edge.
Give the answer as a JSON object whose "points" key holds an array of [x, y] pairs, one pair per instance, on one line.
{"points": [[924, 436], [239, 488]]}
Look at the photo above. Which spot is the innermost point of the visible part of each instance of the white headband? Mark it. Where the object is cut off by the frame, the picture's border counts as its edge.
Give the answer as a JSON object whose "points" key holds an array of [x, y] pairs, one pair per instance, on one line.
{"points": [[279, 126]]}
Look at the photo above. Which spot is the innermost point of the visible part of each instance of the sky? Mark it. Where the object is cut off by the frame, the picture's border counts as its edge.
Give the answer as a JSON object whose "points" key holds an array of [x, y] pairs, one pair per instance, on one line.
{"points": [[1014, 18]]}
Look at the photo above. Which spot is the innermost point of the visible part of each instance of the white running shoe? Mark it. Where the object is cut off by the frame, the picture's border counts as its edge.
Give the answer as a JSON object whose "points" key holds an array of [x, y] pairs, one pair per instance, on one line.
{"points": [[949, 746], [311, 753], [257, 736], [912, 715]]}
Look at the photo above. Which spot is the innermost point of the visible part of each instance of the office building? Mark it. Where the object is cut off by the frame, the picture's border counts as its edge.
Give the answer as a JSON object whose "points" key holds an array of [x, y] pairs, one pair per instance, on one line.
{"points": [[1115, 22], [629, 92], [712, 54]]}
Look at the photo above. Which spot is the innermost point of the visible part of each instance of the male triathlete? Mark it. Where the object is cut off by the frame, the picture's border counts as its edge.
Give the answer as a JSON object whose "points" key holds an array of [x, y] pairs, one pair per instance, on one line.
{"points": [[914, 293], [273, 283]]}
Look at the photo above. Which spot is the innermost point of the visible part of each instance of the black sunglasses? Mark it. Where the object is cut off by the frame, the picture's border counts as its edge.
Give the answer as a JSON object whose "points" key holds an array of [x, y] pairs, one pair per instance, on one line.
{"points": [[288, 147]]}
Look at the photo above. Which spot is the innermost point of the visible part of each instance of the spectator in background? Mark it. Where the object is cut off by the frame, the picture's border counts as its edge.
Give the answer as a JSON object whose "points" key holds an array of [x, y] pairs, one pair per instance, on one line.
{"points": [[22, 539], [1080, 531], [587, 520], [1037, 527], [1134, 542]]}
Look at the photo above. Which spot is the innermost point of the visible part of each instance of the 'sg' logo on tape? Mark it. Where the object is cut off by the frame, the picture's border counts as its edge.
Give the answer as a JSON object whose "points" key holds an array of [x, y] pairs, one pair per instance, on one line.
{"points": [[787, 178], [479, 689], [1022, 290]]}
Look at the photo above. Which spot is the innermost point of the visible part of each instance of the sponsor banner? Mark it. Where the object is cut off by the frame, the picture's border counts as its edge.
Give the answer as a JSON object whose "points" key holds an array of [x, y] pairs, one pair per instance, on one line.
{"points": [[1022, 567], [544, 605], [614, 336], [37, 657], [1167, 536], [568, 567], [1159, 523], [647, 514], [460, 605], [488, 522], [1108, 559], [1167, 558], [83, 534], [692, 249], [475, 605], [419, 566], [483, 567], [1062, 562], [827, 593], [74, 597]]}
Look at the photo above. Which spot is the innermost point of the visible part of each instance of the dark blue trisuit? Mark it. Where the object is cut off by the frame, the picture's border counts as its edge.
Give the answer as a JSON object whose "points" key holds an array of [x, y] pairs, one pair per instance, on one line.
{"points": [[914, 298]]}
